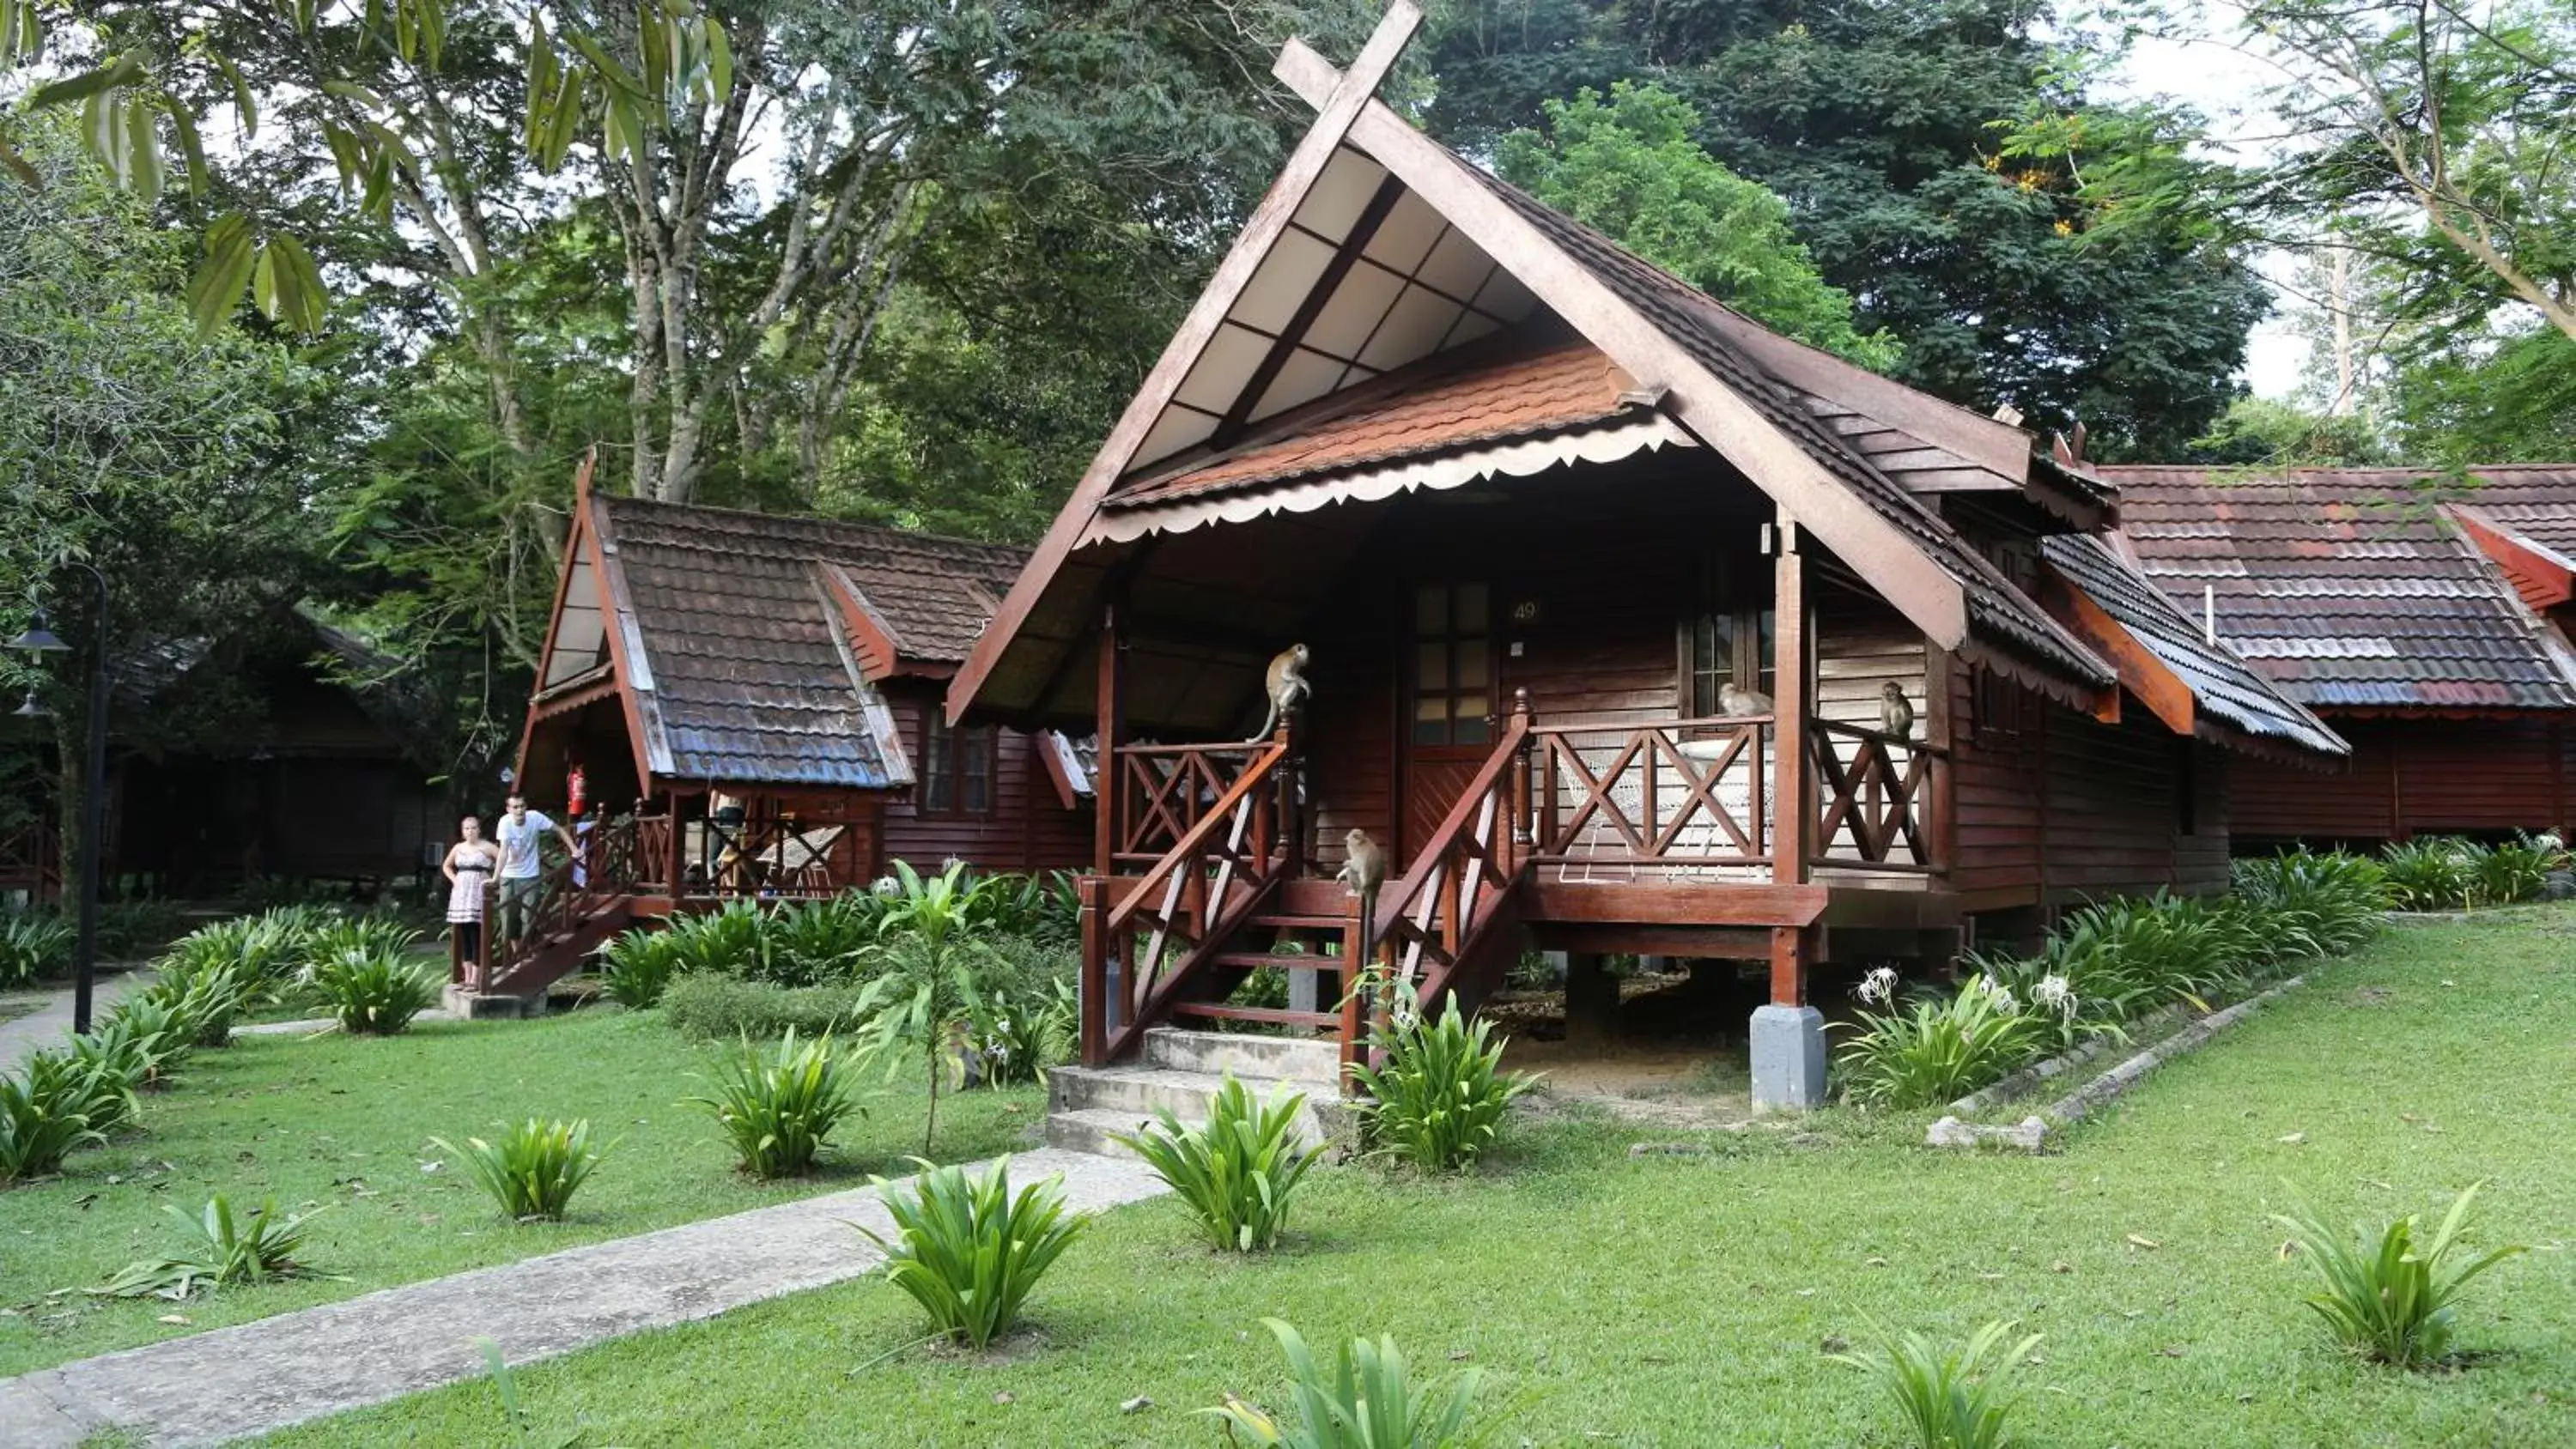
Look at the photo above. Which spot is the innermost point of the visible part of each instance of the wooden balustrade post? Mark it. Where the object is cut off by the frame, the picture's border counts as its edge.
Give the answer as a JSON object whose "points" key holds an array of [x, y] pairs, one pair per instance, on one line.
{"points": [[1354, 979], [1093, 993], [1788, 1035], [1518, 847], [1108, 781]]}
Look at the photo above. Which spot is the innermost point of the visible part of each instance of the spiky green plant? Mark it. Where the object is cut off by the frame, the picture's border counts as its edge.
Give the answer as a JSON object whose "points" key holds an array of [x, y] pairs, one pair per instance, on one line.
{"points": [[931, 966], [373, 991], [1947, 1398], [968, 1251], [636, 967], [534, 1170], [2391, 1296], [123, 1063], [43, 1116], [98, 1088], [32, 945], [779, 1103], [207, 989], [221, 1251], [2431, 872], [1438, 1097], [1934, 1050], [1237, 1172], [161, 1032], [1366, 1401]]}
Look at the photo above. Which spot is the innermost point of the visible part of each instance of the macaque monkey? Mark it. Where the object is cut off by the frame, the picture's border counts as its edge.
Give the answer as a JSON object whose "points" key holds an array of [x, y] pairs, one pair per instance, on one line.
{"points": [[1286, 683], [1895, 711], [1364, 871], [1733, 700]]}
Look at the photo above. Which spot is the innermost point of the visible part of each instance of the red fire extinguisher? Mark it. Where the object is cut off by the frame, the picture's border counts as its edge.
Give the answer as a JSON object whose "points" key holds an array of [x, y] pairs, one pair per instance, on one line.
{"points": [[574, 790]]}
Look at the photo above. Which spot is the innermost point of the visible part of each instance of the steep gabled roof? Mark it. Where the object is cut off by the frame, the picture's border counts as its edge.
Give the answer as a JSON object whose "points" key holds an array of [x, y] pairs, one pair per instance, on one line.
{"points": [[2221, 684], [1378, 249], [747, 646], [2353, 589]]}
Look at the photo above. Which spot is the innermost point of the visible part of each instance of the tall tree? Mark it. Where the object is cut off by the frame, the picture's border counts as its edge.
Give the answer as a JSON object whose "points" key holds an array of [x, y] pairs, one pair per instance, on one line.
{"points": [[1629, 167], [1875, 120]]}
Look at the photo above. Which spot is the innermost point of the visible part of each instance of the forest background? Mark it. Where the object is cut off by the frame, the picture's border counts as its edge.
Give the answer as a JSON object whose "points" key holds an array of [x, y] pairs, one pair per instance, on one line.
{"points": [[310, 307]]}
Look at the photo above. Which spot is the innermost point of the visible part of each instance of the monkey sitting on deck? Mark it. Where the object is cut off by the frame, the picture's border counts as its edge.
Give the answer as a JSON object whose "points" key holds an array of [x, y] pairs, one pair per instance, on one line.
{"points": [[1734, 701], [1287, 687], [1895, 711]]}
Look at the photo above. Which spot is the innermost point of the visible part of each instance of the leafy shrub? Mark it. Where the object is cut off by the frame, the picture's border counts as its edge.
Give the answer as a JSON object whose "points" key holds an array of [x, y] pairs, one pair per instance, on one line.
{"points": [[1021, 1032], [1366, 1402], [1236, 1173], [98, 1089], [729, 941], [330, 937], [33, 944], [809, 943], [778, 1105], [535, 1169], [2391, 1296], [131, 930], [43, 1116], [933, 972], [264, 951], [1934, 1050], [208, 992], [159, 1031], [123, 1063], [374, 992], [2314, 904], [968, 1251], [719, 1007], [1044, 908], [1947, 1400], [2430, 873], [2517, 870], [1438, 1098], [222, 1252], [636, 967]]}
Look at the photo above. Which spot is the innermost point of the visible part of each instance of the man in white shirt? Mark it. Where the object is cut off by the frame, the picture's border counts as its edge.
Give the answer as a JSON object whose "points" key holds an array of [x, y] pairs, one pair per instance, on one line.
{"points": [[521, 832]]}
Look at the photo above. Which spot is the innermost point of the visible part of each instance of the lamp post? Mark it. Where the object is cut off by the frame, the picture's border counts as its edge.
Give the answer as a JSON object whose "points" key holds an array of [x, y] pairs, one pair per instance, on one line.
{"points": [[39, 640]]}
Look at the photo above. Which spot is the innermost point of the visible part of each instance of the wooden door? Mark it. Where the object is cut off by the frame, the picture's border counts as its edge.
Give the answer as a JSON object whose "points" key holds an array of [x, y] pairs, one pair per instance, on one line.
{"points": [[1448, 698]]}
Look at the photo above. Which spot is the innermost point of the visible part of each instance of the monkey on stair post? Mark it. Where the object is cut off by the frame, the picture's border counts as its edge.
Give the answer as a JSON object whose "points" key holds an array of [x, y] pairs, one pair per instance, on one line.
{"points": [[1287, 687], [1364, 871], [1895, 711]]}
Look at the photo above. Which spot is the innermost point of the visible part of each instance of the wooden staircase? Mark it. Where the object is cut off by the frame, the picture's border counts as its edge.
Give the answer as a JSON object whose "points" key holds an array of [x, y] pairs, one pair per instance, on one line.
{"points": [[577, 911], [1227, 900]]}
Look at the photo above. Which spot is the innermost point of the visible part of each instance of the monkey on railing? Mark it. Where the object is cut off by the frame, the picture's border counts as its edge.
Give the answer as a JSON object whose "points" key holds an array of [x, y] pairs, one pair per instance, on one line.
{"points": [[1285, 684]]}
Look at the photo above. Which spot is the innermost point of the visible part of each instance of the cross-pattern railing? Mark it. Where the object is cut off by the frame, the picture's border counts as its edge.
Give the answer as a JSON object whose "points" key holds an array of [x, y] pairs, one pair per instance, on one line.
{"points": [[31, 860], [1224, 858], [1165, 789], [568, 893], [1874, 799], [1429, 922], [1623, 802]]}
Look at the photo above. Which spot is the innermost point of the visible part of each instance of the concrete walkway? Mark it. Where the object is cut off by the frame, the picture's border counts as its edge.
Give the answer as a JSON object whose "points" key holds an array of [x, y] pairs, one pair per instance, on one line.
{"points": [[49, 1025], [256, 1377]]}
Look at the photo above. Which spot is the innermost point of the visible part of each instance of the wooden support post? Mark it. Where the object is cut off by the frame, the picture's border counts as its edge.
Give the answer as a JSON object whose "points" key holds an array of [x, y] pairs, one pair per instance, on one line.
{"points": [[1793, 774], [1093, 1002], [1591, 1000], [1515, 842], [1108, 785]]}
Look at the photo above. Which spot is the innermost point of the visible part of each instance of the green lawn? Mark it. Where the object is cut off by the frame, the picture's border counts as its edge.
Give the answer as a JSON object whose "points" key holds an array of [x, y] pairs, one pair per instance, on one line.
{"points": [[1672, 1301], [346, 1123]]}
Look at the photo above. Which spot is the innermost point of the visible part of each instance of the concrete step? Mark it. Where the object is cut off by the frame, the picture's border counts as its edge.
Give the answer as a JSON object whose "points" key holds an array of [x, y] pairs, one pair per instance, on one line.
{"points": [[1312, 1062], [1090, 1130]]}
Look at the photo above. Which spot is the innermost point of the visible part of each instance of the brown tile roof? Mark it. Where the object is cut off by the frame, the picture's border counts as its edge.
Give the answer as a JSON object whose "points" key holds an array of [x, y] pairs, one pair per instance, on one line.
{"points": [[1554, 391], [1996, 610], [2347, 586], [754, 677], [2220, 680], [2536, 501]]}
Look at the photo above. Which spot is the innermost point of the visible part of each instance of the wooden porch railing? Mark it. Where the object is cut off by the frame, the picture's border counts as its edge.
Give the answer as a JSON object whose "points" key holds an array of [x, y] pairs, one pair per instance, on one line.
{"points": [[1876, 800], [1164, 790], [569, 893], [31, 860], [1224, 858], [1689, 796]]}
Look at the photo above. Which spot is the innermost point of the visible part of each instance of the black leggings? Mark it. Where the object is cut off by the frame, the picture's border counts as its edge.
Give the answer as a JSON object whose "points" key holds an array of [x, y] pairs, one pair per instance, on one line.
{"points": [[469, 938]]}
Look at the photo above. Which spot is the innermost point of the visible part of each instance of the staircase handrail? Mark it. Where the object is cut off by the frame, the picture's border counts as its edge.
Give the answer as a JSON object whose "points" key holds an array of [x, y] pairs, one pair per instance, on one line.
{"points": [[1194, 840], [1396, 900]]}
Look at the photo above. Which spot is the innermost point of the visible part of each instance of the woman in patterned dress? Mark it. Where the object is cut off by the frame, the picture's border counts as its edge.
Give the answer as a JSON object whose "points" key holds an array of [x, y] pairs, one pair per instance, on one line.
{"points": [[469, 866]]}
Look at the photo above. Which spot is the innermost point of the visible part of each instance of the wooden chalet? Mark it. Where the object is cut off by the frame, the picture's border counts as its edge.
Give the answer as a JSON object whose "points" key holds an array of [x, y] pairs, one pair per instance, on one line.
{"points": [[753, 704], [2426, 617], [1532, 503]]}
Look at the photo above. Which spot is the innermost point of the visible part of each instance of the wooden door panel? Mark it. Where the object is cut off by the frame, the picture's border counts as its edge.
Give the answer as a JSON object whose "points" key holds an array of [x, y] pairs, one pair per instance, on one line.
{"points": [[1431, 786]]}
